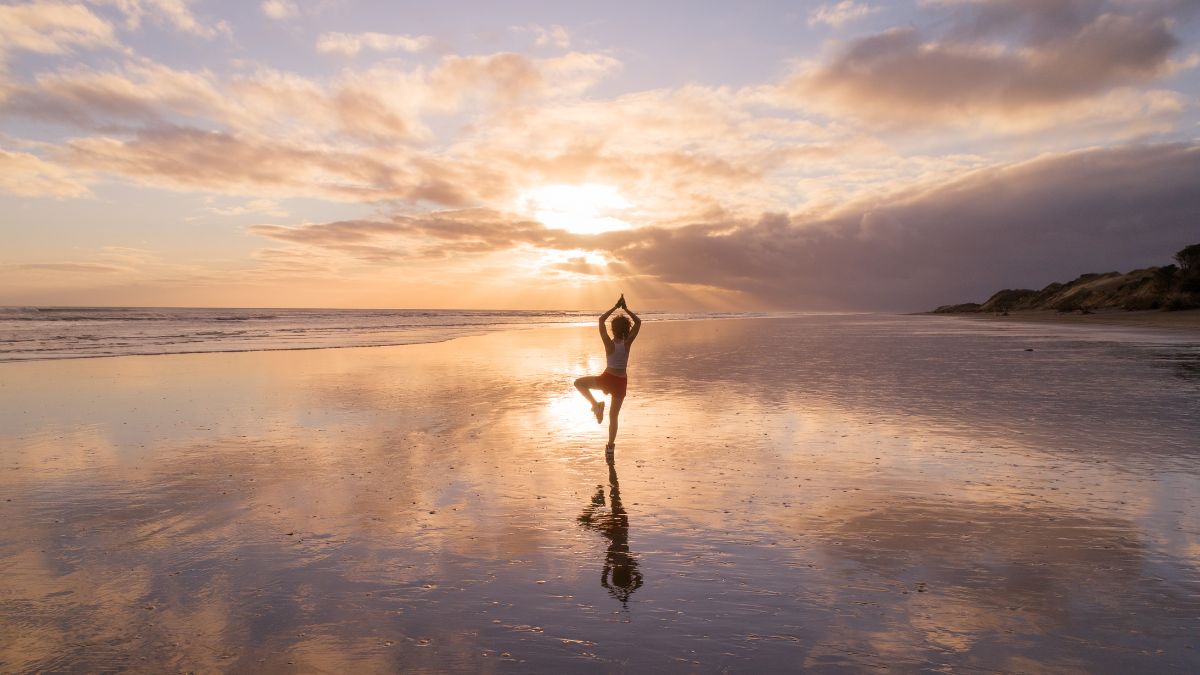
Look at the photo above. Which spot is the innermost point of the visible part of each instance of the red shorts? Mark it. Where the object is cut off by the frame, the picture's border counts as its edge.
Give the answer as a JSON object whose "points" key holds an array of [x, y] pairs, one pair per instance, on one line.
{"points": [[613, 384]]}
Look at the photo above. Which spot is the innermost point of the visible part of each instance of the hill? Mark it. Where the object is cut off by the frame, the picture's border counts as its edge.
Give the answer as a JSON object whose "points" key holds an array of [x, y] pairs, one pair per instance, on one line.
{"points": [[1170, 287]]}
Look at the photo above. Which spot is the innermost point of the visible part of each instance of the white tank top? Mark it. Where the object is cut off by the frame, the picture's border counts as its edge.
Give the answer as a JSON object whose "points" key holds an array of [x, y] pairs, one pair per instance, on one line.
{"points": [[619, 356]]}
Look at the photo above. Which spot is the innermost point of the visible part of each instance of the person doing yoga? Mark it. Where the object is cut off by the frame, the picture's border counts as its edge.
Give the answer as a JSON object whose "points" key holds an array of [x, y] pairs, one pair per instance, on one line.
{"points": [[614, 381]]}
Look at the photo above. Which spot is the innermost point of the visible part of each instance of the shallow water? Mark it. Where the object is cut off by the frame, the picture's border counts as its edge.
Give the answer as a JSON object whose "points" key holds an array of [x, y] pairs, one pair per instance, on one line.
{"points": [[834, 493], [40, 333]]}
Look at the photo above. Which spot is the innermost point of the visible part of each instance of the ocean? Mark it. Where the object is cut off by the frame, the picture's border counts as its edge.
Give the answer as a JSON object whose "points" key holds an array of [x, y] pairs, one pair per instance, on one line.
{"points": [[39, 333]]}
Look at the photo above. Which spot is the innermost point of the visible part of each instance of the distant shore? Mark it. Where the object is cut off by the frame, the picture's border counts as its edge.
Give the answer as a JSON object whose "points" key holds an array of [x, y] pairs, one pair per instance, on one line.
{"points": [[1181, 320]]}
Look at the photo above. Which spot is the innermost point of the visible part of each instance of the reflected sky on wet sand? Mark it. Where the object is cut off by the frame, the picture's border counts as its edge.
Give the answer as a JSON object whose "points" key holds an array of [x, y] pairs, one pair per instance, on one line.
{"points": [[836, 493]]}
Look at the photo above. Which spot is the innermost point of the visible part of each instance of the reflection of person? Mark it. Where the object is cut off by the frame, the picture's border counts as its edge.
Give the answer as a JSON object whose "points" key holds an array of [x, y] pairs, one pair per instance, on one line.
{"points": [[621, 575], [614, 380]]}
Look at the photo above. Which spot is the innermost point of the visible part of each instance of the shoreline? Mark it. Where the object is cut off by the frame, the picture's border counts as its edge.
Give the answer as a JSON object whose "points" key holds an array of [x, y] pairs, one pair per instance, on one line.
{"points": [[501, 328], [1184, 320]]}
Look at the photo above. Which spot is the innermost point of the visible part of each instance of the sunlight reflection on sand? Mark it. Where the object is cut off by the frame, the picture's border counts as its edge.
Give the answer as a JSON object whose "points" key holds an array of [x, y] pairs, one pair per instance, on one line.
{"points": [[821, 492]]}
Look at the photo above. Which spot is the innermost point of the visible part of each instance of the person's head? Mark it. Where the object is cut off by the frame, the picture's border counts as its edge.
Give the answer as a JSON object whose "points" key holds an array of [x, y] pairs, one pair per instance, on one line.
{"points": [[620, 327]]}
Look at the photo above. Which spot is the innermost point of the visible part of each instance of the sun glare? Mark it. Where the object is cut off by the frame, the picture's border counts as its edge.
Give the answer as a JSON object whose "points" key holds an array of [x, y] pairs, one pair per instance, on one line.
{"points": [[583, 209]]}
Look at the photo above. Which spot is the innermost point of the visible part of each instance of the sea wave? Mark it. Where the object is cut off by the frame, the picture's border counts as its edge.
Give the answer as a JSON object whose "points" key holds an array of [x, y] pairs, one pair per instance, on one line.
{"points": [[37, 333]]}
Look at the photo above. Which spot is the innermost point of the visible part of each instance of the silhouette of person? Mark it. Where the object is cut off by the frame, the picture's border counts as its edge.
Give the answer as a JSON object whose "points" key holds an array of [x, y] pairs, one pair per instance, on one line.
{"points": [[614, 380], [620, 576]]}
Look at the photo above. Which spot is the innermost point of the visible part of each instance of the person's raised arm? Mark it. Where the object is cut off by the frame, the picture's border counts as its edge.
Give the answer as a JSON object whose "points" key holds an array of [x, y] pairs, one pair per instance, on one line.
{"points": [[637, 323], [604, 326]]}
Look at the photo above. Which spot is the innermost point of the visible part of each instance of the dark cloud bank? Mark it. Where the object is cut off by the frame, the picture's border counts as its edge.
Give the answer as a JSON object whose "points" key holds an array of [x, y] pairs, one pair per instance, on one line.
{"points": [[1024, 225], [1020, 225]]}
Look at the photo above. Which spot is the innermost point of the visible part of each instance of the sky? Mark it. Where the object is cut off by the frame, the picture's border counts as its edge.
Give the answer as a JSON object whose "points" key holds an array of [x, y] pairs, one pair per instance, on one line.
{"points": [[845, 155]]}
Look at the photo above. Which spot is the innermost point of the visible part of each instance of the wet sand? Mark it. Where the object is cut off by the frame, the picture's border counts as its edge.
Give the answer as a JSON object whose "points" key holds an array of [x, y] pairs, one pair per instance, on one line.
{"points": [[1187, 320], [837, 494]]}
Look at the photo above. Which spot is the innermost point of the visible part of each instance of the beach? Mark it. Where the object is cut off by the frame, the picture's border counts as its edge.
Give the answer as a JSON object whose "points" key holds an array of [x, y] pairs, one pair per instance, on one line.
{"points": [[836, 493], [1186, 320]]}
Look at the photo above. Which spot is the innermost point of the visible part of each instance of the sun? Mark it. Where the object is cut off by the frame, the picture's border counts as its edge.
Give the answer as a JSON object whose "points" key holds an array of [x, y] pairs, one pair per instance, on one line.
{"points": [[590, 208]]}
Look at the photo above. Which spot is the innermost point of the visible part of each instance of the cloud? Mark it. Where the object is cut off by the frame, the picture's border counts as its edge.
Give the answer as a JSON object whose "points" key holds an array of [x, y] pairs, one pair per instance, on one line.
{"points": [[332, 235], [143, 94], [1041, 22], [355, 137], [509, 78], [365, 135], [361, 136], [278, 263], [432, 235], [580, 265], [70, 268], [350, 44], [467, 131], [1018, 225], [52, 28], [1023, 224], [839, 13], [547, 36], [266, 207], [374, 105], [1037, 56], [105, 268], [279, 9], [174, 14], [224, 162], [86, 268], [27, 175]]}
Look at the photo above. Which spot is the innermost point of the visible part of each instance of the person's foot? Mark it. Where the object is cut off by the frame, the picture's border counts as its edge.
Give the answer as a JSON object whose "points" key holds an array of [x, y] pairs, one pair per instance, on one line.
{"points": [[598, 410], [610, 448]]}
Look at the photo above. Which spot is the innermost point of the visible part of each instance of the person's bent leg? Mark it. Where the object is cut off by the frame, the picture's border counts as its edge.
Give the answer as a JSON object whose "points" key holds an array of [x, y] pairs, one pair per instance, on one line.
{"points": [[585, 384]]}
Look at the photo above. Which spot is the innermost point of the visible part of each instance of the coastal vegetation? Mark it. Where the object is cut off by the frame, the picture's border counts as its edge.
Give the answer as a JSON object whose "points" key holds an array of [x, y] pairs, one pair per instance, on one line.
{"points": [[1170, 287]]}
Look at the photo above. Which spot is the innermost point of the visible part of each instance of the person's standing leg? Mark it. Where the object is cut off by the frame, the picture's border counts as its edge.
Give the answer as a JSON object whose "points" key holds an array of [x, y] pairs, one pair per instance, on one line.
{"points": [[612, 419]]}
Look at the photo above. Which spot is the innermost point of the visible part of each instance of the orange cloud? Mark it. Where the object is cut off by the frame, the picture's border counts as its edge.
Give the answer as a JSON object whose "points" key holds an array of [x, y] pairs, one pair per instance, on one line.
{"points": [[27, 175], [1059, 216], [215, 161], [352, 138], [433, 235], [52, 28]]}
